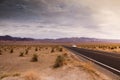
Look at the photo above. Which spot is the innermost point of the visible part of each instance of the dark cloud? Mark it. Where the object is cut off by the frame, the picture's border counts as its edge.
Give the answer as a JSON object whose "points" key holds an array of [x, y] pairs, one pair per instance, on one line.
{"points": [[46, 8], [46, 14], [15, 9], [2, 1]]}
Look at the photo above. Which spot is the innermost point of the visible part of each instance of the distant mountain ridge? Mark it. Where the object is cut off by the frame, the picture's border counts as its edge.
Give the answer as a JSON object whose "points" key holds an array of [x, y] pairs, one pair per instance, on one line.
{"points": [[70, 40], [10, 38]]}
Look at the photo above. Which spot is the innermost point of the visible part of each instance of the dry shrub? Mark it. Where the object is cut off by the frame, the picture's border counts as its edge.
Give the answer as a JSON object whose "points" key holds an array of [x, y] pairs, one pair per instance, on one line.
{"points": [[16, 74], [4, 75], [52, 50], [60, 49], [62, 60], [0, 52], [34, 58], [11, 51], [59, 61], [21, 54], [88, 66], [36, 49], [65, 54], [26, 52], [31, 75]]}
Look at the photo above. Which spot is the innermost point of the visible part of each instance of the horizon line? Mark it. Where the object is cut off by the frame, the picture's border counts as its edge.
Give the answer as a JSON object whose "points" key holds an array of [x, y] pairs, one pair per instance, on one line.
{"points": [[60, 37]]}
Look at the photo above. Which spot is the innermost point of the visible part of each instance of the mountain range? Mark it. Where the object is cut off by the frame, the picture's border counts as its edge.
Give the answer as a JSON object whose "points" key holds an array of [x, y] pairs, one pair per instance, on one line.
{"points": [[63, 40]]}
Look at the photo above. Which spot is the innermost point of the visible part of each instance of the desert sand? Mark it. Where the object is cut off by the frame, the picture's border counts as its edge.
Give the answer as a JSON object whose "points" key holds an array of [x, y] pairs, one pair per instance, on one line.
{"points": [[52, 62]]}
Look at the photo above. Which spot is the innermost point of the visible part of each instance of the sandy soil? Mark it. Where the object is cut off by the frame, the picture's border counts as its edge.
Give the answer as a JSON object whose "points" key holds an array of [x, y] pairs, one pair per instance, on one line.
{"points": [[16, 67]]}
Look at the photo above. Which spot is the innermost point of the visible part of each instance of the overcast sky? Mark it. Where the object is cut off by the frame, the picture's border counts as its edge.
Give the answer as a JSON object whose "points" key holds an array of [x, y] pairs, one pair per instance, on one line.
{"points": [[60, 18]]}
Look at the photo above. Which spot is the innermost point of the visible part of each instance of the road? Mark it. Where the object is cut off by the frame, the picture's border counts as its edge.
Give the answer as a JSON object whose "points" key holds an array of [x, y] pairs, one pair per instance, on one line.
{"points": [[107, 60]]}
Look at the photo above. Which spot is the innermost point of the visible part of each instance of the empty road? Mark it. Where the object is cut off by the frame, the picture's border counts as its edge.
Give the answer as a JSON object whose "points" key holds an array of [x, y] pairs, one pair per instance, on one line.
{"points": [[107, 60]]}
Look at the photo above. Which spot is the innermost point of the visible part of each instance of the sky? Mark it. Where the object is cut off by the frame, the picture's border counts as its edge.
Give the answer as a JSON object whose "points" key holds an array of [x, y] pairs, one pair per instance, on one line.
{"points": [[60, 18]]}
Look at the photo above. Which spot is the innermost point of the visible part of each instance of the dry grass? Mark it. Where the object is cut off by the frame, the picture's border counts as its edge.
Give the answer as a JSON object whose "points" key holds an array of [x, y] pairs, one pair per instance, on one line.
{"points": [[109, 47], [4, 75], [31, 75], [88, 66]]}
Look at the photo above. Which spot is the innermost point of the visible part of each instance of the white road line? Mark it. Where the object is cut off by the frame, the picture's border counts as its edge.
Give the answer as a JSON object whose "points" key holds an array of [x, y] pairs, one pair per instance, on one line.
{"points": [[101, 63], [97, 62]]}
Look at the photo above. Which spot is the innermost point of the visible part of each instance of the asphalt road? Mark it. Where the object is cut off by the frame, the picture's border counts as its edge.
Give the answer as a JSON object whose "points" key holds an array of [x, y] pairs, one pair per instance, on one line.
{"points": [[107, 60]]}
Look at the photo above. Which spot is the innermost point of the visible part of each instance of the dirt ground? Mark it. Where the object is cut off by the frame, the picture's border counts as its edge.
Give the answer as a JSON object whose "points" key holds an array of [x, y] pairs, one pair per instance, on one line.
{"points": [[16, 63]]}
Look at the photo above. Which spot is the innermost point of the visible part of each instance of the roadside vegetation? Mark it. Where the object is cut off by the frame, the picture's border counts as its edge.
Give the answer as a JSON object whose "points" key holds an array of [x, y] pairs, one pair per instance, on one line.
{"points": [[109, 47]]}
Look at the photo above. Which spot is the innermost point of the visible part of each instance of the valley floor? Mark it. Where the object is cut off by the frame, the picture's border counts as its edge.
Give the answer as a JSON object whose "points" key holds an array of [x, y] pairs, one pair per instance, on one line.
{"points": [[53, 63]]}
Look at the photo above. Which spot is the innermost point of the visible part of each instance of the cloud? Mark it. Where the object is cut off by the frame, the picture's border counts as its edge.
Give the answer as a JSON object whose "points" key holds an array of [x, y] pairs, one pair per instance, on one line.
{"points": [[60, 18], [48, 11]]}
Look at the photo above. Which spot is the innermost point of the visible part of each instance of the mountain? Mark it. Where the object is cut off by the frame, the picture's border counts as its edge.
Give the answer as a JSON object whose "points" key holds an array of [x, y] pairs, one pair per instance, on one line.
{"points": [[85, 39], [63, 40], [10, 38]]}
